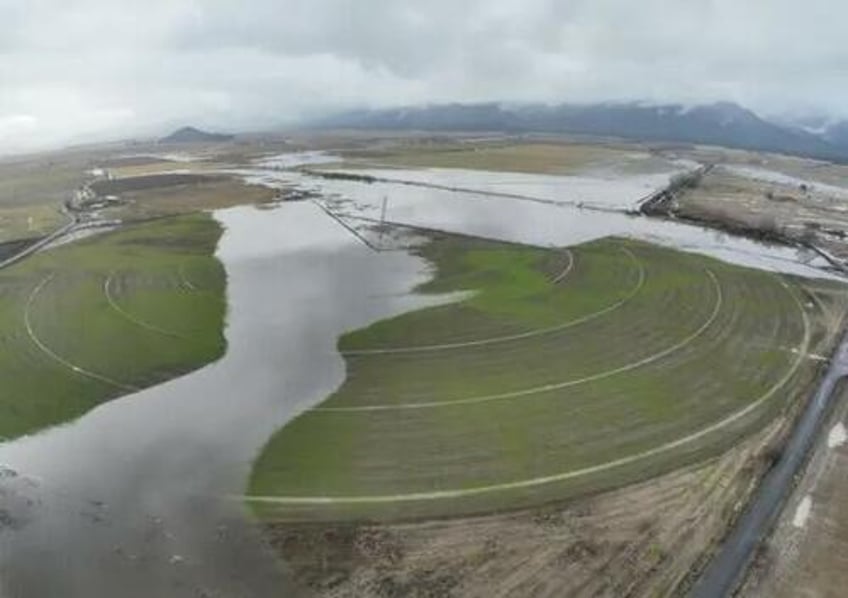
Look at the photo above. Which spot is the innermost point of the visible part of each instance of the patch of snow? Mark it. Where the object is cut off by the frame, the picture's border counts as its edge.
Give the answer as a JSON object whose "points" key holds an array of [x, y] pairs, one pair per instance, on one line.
{"points": [[802, 512], [837, 436], [819, 130]]}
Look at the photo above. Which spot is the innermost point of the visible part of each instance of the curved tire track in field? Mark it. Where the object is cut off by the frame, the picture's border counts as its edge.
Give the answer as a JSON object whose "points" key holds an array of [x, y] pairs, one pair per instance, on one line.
{"points": [[131, 318], [557, 385], [567, 475], [58, 358], [514, 337], [567, 270]]}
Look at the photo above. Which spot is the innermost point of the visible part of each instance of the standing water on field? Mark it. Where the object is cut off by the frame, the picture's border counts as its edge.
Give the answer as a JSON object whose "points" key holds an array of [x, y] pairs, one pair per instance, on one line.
{"points": [[135, 498]]}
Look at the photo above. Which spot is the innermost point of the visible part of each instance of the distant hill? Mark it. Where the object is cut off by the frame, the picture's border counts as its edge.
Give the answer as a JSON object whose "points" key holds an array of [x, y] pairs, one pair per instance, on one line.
{"points": [[837, 134], [192, 135], [721, 123]]}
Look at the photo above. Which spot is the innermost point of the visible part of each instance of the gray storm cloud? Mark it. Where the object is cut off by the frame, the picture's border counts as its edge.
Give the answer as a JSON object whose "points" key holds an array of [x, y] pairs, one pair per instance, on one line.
{"points": [[94, 69]]}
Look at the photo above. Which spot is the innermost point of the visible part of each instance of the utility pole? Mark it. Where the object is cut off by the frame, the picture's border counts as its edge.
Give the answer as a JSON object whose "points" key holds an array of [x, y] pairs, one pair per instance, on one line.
{"points": [[383, 219], [383, 211]]}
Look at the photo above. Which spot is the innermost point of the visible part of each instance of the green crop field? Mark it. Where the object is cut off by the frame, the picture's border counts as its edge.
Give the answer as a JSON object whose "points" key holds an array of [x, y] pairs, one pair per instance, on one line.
{"points": [[87, 322], [560, 372]]}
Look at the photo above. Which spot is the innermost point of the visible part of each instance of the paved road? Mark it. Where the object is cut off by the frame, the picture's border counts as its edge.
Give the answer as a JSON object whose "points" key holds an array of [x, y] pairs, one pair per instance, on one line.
{"points": [[725, 571]]}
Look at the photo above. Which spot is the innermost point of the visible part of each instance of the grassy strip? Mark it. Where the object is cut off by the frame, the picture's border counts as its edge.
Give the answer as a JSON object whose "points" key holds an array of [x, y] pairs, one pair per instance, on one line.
{"points": [[62, 294]]}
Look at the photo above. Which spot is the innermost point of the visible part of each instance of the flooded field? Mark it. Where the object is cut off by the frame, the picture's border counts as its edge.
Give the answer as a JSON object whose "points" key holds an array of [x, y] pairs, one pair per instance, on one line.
{"points": [[149, 495], [525, 222], [604, 191], [518, 220], [295, 159], [130, 499]]}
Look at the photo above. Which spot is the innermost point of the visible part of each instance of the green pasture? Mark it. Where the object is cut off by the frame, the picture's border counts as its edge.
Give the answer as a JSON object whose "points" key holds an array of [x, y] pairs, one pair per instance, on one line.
{"points": [[90, 321], [538, 386]]}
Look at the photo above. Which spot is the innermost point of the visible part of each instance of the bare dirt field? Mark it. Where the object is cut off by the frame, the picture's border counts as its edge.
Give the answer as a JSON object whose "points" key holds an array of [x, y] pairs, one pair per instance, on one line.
{"points": [[813, 215], [141, 183], [208, 194], [511, 155], [802, 168], [159, 166]]}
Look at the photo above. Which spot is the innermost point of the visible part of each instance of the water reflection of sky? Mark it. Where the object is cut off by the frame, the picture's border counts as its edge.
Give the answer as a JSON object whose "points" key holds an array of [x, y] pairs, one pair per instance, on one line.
{"points": [[516, 220], [131, 499]]}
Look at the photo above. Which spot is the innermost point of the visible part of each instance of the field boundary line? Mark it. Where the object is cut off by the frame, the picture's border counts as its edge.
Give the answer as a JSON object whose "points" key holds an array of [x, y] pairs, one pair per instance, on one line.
{"points": [[556, 385], [58, 358], [513, 337], [131, 318], [563, 476]]}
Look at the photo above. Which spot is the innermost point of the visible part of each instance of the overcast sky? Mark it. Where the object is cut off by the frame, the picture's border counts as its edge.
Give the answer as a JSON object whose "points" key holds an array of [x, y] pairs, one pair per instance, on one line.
{"points": [[77, 70]]}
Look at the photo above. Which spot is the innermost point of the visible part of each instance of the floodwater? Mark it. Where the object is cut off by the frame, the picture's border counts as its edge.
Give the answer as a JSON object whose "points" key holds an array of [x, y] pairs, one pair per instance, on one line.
{"points": [[131, 499], [517, 220], [611, 191], [295, 159]]}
